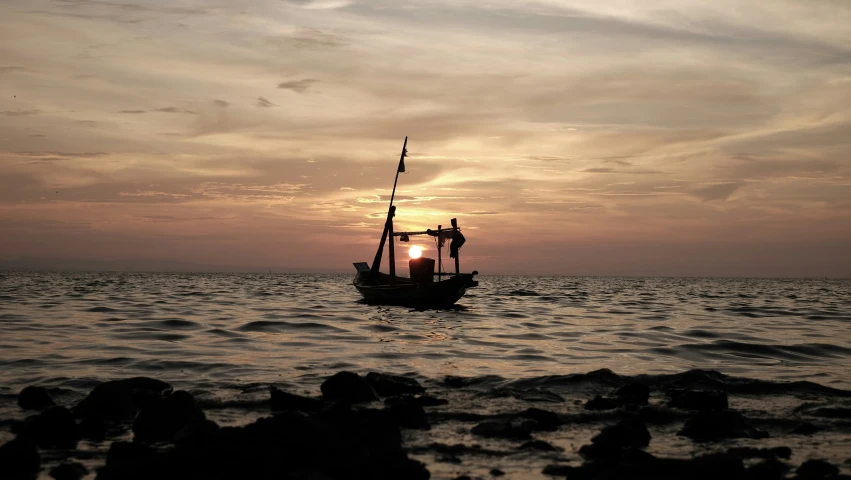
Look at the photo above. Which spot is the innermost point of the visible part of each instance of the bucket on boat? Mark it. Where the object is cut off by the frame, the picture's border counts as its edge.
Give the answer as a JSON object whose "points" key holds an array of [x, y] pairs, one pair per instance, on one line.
{"points": [[422, 270]]}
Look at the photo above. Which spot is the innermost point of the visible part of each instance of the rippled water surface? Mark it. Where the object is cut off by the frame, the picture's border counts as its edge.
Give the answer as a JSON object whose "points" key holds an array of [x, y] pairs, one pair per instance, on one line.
{"points": [[67, 329]]}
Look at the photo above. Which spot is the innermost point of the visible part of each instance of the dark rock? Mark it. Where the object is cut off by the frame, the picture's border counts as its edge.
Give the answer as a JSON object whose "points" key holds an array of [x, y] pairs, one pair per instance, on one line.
{"points": [[347, 386], [496, 472], [544, 419], [408, 413], [633, 394], [767, 453], [613, 439], [282, 400], [53, 428], [69, 471], [430, 401], [816, 469], [698, 399], [389, 385], [92, 428], [601, 403], [516, 429], [558, 470], [718, 465], [120, 400], [458, 449], [806, 428], [19, 459], [197, 434], [308, 475], [711, 425], [134, 461], [770, 469], [160, 420], [832, 412], [540, 446], [34, 398]]}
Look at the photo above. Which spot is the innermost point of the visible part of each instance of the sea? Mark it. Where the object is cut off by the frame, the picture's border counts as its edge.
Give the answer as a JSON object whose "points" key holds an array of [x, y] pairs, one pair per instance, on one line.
{"points": [[227, 337]]}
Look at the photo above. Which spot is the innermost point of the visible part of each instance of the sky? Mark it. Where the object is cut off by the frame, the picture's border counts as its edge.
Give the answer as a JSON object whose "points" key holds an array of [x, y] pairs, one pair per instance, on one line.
{"points": [[569, 137]]}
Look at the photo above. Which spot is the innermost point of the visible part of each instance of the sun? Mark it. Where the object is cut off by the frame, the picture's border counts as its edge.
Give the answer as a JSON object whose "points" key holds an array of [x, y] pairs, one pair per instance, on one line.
{"points": [[416, 251]]}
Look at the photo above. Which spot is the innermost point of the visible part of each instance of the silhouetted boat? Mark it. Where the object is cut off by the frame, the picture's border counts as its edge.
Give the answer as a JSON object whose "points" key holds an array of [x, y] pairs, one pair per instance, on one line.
{"points": [[420, 289]]}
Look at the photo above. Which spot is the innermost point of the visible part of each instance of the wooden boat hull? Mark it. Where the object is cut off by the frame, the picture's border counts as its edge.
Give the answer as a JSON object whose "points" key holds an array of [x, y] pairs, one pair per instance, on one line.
{"points": [[437, 294]]}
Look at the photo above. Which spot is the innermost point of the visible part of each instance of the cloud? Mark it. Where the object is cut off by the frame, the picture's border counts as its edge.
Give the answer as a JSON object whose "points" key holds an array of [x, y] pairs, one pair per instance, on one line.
{"points": [[262, 102], [13, 69], [221, 103], [37, 154], [720, 191], [298, 86], [308, 38], [19, 113], [174, 110], [133, 111]]}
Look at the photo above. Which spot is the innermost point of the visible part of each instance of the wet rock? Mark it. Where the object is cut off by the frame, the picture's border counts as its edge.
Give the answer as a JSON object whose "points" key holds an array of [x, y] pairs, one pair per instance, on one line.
{"points": [[815, 469], [718, 465], [69, 471], [407, 413], [515, 429], [431, 401], [698, 399], [134, 461], [34, 398], [770, 469], [806, 428], [497, 472], [633, 394], [282, 400], [601, 403], [387, 385], [544, 419], [161, 419], [92, 428], [348, 387], [197, 434], [308, 475], [53, 428], [539, 446], [458, 449], [768, 453], [832, 412], [630, 432], [19, 459], [120, 400], [711, 425], [558, 470]]}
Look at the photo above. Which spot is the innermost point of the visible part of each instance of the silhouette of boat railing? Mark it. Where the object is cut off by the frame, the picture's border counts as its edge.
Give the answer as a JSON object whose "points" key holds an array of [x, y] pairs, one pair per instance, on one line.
{"points": [[420, 289]]}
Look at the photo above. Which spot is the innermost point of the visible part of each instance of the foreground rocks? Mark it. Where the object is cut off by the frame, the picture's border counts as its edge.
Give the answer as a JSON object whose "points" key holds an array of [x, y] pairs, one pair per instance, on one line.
{"points": [[34, 398], [348, 434]]}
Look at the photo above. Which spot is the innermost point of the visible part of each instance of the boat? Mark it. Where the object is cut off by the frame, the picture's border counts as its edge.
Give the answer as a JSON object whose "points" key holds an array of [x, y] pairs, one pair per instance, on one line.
{"points": [[421, 289]]}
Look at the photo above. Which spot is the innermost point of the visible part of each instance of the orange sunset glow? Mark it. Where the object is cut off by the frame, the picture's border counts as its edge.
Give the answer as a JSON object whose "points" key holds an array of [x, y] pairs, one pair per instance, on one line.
{"points": [[568, 137]]}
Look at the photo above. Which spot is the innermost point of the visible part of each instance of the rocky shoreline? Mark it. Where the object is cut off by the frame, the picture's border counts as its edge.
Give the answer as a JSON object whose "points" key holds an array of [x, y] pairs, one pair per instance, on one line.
{"points": [[382, 426]]}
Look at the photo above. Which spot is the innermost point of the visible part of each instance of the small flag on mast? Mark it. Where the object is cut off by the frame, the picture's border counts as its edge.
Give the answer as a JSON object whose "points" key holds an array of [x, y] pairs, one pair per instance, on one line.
{"points": [[402, 160]]}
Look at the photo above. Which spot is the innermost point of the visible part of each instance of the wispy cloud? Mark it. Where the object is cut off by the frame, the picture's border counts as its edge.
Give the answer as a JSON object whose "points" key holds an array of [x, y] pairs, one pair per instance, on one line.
{"points": [[19, 113], [299, 86], [173, 110], [262, 102]]}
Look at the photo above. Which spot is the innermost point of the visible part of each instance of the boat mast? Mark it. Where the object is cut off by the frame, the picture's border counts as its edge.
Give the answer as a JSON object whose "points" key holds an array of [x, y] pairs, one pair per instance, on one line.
{"points": [[454, 234], [388, 225]]}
